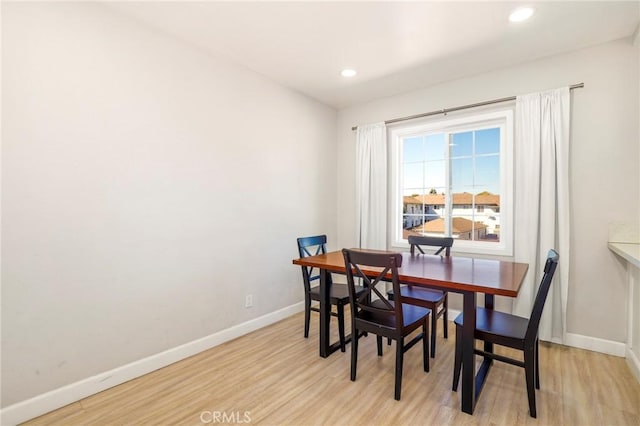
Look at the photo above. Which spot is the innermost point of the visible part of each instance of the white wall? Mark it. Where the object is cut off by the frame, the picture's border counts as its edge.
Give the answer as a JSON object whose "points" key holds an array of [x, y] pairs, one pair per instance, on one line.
{"points": [[147, 187], [634, 318], [635, 273], [605, 179], [636, 302]]}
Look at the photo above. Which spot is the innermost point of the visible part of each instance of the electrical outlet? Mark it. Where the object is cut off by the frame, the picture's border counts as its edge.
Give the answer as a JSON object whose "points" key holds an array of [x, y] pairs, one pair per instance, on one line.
{"points": [[248, 301]]}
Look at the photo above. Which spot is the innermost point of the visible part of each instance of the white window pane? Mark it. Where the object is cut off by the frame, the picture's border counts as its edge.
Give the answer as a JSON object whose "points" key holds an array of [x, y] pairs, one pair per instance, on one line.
{"points": [[436, 190], [462, 144], [488, 141], [461, 196], [412, 220], [466, 228], [440, 210], [434, 174], [462, 172], [435, 147], [488, 173], [487, 212], [412, 192], [435, 227], [413, 149], [413, 176]]}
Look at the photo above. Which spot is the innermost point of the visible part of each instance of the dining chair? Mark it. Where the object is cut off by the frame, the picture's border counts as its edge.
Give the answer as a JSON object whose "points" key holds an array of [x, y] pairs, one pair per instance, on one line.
{"points": [[338, 293], [373, 312], [511, 331], [437, 301]]}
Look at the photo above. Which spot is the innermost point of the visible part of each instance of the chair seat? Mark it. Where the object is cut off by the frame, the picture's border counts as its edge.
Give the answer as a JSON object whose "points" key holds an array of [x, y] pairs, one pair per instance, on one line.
{"points": [[422, 294], [498, 323], [411, 314], [338, 293], [435, 300]]}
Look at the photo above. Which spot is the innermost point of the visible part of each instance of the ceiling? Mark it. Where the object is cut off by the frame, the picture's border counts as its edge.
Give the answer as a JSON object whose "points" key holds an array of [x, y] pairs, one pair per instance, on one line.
{"points": [[394, 46]]}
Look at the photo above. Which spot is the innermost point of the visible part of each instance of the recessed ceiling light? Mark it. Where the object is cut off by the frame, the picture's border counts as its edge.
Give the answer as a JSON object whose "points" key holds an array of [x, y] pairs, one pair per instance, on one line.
{"points": [[521, 14], [348, 73]]}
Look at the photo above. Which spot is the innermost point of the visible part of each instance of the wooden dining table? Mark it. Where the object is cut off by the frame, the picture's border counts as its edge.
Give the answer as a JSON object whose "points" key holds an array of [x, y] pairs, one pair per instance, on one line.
{"points": [[465, 275]]}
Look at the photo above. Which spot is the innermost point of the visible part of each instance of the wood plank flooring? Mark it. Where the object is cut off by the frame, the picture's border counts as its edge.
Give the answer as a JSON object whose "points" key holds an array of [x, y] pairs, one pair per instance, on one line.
{"points": [[274, 376]]}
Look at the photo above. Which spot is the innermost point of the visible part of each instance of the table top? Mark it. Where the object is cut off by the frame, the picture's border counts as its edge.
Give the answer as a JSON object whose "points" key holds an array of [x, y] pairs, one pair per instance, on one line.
{"points": [[454, 273]]}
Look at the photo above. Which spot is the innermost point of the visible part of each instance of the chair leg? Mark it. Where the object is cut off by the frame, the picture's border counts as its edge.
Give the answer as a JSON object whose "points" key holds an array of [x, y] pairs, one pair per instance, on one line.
{"points": [[434, 332], [379, 344], [445, 316], [307, 314], [457, 365], [537, 349], [529, 371], [354, 353], [425, 346], [399, 361], [340, 309]]}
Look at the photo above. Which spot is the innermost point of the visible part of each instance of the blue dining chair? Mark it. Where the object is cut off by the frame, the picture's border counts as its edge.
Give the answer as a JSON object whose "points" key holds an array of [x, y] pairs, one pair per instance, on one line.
{"points": [[338, 293]]}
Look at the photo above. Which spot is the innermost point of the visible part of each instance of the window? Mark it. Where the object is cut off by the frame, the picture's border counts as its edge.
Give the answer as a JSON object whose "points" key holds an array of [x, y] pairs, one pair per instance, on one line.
{"points": [[453, 178]]}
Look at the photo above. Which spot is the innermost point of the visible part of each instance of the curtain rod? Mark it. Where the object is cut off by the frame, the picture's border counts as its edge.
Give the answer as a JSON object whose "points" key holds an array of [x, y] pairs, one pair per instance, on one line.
{"points": [[458, 108]]}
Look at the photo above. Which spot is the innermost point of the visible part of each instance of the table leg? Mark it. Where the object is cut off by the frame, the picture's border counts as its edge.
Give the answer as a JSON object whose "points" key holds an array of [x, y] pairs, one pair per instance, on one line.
{"points": [[488, 301], [325, 313], [468, 356], [487, 362], [488, 304]]}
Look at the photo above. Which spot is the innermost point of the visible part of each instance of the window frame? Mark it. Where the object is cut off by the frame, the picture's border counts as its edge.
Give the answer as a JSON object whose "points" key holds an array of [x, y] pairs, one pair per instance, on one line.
{"points": [[502, 118]]}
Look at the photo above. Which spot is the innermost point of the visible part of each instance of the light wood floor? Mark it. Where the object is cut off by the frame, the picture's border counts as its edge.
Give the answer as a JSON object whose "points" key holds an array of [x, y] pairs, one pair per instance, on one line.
{"points": [[276, 377]]}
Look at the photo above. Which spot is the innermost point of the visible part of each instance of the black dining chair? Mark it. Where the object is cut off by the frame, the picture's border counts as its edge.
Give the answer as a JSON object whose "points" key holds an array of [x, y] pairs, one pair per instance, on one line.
{"points": [[372, 312], [338, 293], [512, 331], [437, 301]]}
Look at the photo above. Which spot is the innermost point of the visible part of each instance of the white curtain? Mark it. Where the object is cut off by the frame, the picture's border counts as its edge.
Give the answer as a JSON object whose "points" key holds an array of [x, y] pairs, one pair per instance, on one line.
{"points": [[371, 186], [542, 202]]}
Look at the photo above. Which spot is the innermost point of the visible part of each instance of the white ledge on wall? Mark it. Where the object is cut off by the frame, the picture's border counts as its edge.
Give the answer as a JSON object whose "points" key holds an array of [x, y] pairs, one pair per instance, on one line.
{"points": [[628, 251], [624, 241]]}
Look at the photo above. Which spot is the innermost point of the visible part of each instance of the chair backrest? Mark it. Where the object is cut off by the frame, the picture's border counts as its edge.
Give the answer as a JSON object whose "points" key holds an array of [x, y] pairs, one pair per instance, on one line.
{"points": [[444, 243], [541, 297], [311, 246], [384, 262]]}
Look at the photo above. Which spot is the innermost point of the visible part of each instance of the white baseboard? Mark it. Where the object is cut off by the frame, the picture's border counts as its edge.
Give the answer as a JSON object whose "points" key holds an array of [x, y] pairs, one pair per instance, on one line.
{"points": [[41, 404], [595, 344], [634, 363]]}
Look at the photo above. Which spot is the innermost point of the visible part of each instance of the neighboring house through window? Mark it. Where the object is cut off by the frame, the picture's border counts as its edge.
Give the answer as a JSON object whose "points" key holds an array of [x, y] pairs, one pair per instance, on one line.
{"points": [[454, 177]]}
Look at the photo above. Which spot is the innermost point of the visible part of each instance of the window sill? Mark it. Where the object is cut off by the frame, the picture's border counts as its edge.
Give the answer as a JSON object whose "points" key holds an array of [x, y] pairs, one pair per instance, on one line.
{"points": [[498, 253]]}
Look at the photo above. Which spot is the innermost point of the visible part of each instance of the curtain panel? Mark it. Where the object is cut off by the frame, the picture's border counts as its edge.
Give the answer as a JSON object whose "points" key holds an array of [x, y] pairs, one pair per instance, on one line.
{"points": [[371, 186], [542, 210]]}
